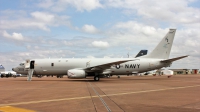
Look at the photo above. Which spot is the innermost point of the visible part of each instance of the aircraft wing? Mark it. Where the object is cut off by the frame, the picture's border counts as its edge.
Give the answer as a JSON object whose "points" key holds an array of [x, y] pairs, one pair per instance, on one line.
{"points": [[174, 59], [107, 65]]}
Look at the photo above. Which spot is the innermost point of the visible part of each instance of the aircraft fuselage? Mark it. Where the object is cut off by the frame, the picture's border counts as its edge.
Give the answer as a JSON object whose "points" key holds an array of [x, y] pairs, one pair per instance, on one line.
{"points": [[61, 66]]}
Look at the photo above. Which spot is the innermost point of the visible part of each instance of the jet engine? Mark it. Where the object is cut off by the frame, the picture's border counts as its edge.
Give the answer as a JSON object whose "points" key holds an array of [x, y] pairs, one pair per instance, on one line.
{"points": [[74, 73]]}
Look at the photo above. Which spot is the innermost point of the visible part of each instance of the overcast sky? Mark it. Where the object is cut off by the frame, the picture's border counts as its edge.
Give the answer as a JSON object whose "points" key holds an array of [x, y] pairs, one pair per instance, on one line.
{"points": [[96, 29]]}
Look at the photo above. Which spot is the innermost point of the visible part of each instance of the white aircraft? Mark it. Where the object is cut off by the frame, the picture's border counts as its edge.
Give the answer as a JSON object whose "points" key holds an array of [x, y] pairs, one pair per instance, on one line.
{"points": [[21, 68], [4, 73], [96, 67]]}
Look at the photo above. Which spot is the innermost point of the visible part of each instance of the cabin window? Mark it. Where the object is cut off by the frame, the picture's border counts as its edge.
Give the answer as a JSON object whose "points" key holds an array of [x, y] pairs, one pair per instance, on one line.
{"points": [[52, 64]]}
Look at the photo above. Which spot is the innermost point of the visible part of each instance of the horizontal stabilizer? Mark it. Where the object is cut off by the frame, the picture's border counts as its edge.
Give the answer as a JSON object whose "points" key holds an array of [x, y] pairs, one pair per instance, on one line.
{"points": [[174, 59]]}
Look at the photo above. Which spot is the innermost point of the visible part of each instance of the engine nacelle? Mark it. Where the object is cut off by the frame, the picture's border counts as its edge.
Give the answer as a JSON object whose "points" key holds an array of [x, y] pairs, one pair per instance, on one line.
{"points": [[74, 73]]}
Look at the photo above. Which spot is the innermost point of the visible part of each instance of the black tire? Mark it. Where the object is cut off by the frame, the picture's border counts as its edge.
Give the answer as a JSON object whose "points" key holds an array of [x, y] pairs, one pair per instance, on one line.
{"points": [[118, 76], [96, 78]]}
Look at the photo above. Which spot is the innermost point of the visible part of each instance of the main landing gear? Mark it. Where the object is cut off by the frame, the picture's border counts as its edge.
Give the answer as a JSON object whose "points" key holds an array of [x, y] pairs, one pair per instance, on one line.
{"points": [[96, 78]]}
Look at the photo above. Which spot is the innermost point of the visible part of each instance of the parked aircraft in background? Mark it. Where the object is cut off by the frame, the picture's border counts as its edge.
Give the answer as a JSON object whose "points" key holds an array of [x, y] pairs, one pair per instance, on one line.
{"points": [[141, 53], [96, 67], [2, 69], [4, 73]]}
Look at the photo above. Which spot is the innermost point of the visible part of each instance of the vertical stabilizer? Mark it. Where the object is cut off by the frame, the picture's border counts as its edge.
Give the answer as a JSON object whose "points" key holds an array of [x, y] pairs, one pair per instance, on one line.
{"points": [[2, 69], [162, 50]]}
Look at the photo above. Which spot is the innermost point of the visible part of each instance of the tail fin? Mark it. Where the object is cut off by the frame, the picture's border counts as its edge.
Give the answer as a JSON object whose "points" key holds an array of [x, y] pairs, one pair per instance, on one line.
{"points": [[2, 69], [162, 50], [141, 53]]}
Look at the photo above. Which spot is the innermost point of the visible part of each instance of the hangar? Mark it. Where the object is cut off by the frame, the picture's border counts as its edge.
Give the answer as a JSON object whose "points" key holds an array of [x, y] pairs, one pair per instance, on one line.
{"points": [[181, 71], [195, 71]]}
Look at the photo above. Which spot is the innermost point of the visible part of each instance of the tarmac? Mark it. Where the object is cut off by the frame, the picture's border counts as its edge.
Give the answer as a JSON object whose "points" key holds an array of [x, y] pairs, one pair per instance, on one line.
{"points": [[180, 93]]}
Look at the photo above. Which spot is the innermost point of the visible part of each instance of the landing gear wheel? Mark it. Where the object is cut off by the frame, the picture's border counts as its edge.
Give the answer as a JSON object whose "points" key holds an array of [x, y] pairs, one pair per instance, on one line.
{"points": [[96, 78], [118, 76]]}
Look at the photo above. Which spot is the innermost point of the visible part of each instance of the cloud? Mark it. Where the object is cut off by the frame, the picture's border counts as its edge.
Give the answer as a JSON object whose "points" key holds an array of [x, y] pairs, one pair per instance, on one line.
{"points": [[88, 5], [46, 3], [15, 36], [136, 27], [135, 34], [167, 11], [37, 20], [90, 56], [62, 5], [42, 16], [100, 44], [89, 29]]}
